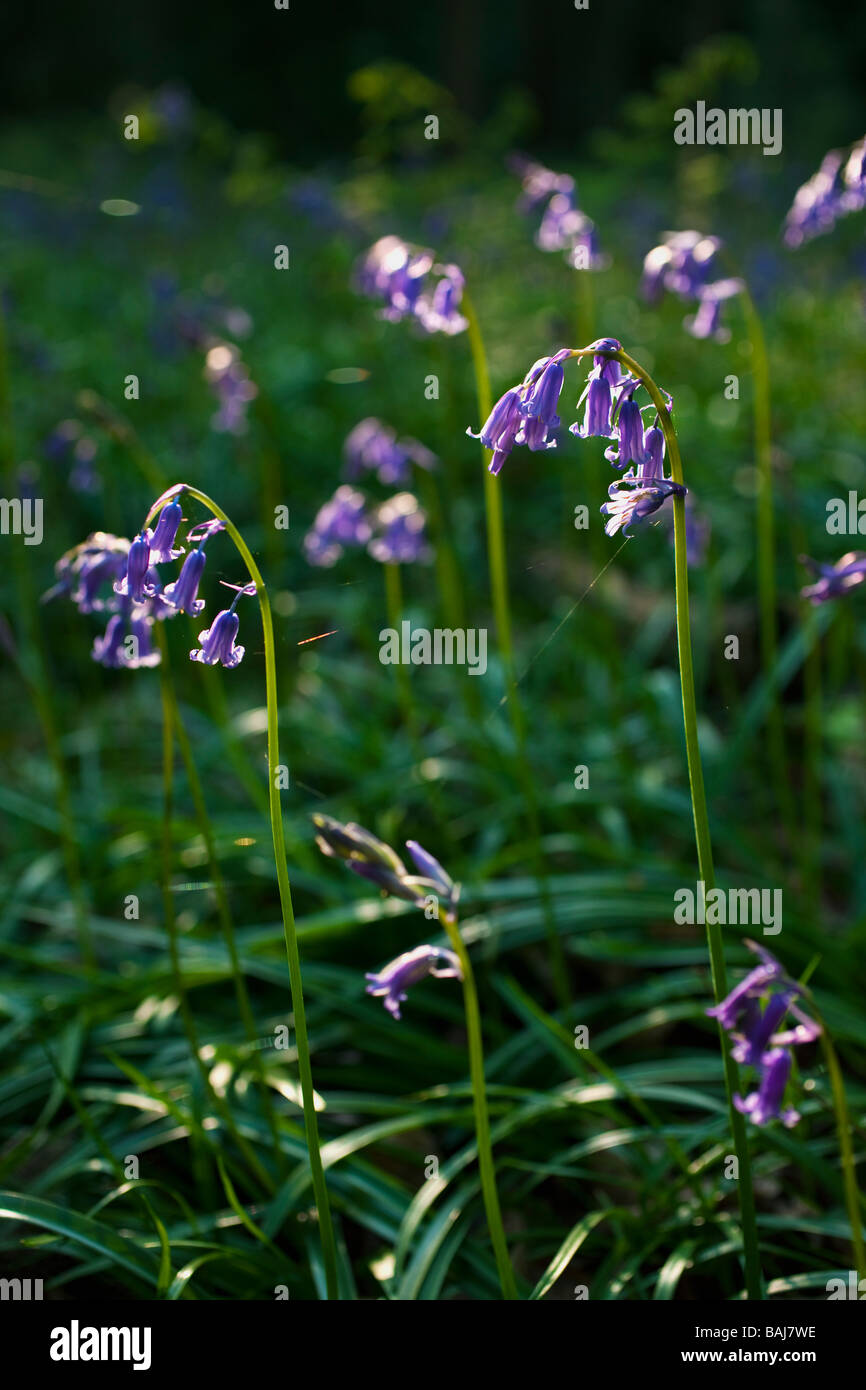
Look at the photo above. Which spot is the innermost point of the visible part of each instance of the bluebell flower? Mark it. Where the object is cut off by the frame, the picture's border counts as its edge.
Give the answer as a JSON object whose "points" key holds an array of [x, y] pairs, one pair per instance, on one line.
{"points": [[752, 1014], [87, 573], [392, 982], [400, 531], [371, 858], [218, 641], [161, 539], [374, 447], [765, 1104], [397, 273], [539, 183], [817, 204], [230, 381], [182, 594], [682, 263], [127, 640], [134, 582], [341, 522], [629, 446], [834, 580], [641, 491], [564, 227], [706, 321], [539, 403], [439, 312]]}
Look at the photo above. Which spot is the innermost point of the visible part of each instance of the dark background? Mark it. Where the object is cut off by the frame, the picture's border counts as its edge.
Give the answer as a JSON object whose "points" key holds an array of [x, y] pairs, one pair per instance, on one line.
{"points": [[286, 73]]}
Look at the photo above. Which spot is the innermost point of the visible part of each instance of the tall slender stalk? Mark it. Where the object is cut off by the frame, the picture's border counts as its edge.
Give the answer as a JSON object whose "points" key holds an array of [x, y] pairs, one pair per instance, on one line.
{"points": [[486, 1166], [502, 614], [754, 1285], [223, 911], [846, 1151], [169, 710], [326, 1229]]}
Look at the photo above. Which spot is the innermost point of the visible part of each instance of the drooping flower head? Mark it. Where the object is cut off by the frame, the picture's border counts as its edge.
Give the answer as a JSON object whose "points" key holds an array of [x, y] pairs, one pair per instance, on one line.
{"points": [[127, 641], [527, 414], [398, 274], [753, 1015], [836, 580], [341, 522], [371, 858], [392, 982], [134, 582], [374, 860], [400, 536]]}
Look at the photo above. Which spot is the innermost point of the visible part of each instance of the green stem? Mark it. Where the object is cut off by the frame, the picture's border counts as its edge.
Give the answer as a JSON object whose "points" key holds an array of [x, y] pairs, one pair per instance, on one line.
{"points": [[754, 1283], [502, 614], [317, 1172], [225, 920], [169, 711], [846, 1151], [482, 1118]]}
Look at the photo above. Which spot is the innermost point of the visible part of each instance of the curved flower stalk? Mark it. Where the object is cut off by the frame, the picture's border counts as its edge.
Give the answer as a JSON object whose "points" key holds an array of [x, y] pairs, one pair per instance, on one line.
{"points": [[221, 650], [432, 889], [611, 386]]}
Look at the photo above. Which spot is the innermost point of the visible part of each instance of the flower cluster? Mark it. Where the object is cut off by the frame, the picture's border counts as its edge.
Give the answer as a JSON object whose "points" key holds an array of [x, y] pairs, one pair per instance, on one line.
{"points": [[563, 226], [372, 447], [758, 1037], [430, 887], [405, 278], [834, 580], [109, 574], [394, 532], [685, 264], [527, 414], [838, 188]]}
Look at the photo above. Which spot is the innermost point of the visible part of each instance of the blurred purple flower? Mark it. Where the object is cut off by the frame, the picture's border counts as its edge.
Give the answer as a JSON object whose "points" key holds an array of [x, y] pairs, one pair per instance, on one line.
{"points": [[397, 273], [230, 382], [392, 982], [400, 534], [374, 447], [341, 522], [834, 580]]}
